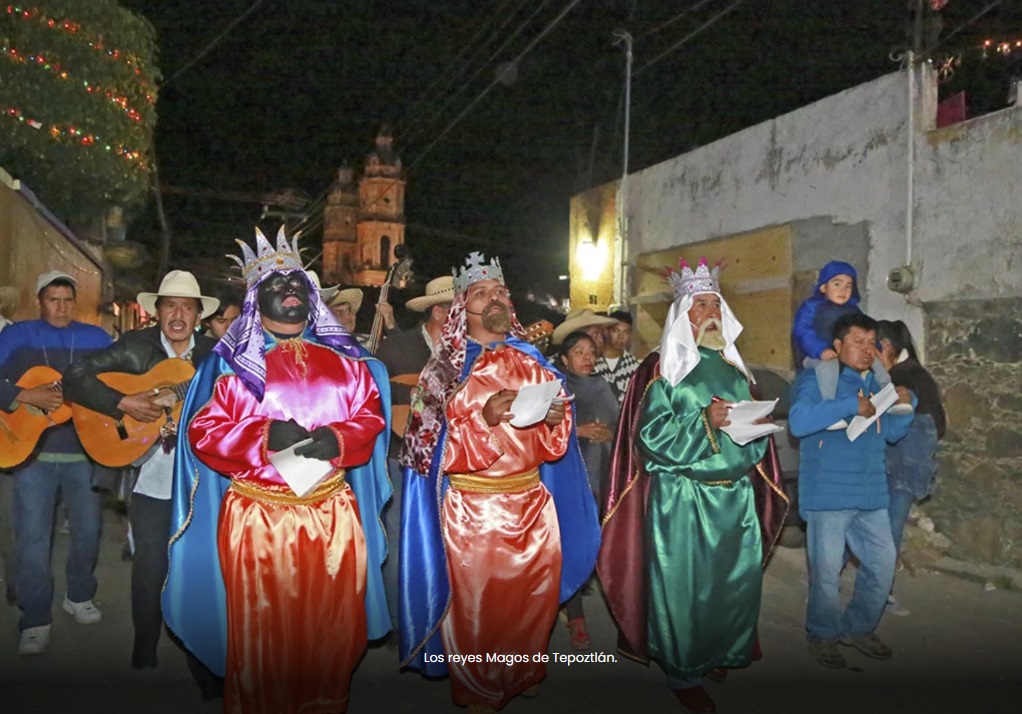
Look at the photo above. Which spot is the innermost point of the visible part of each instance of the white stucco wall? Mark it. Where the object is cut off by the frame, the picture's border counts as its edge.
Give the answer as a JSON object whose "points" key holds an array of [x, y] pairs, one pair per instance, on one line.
{"points": [[846, 158]]}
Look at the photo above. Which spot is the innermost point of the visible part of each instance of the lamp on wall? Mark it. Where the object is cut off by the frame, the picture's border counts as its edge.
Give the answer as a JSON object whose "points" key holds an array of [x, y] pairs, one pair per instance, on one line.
{"points": [[587, 255]]}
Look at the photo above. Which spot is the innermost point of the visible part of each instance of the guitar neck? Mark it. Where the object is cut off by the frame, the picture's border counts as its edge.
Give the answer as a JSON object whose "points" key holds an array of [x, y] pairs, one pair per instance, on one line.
{"points": [[180, 390]]}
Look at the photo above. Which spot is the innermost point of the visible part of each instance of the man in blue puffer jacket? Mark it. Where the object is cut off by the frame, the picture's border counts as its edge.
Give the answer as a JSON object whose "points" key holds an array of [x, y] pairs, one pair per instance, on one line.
{"points": [[843, 495]]}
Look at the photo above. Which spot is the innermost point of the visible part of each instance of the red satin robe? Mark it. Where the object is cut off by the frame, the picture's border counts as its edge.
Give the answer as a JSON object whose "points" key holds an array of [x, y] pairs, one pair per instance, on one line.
{"points": [[503, 549], [295, 573]]}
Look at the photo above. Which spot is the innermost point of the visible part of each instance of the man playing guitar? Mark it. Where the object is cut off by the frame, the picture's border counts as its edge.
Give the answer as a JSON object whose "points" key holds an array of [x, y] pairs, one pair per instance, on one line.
{"points": [[178, 306], [57, 468]]}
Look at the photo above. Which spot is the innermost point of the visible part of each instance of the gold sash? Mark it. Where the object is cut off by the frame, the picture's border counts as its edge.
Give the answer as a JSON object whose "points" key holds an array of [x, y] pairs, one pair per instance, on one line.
{"points": [[282, 493], [515, 483]]}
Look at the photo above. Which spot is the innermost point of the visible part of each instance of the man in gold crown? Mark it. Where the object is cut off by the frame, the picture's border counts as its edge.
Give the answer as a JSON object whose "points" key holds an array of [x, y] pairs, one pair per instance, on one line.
{"points": [[682, 543], [278, 588], [498, 525]]}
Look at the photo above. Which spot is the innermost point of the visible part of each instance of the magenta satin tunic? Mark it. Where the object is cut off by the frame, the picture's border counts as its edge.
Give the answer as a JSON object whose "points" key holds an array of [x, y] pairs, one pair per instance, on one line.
{"points": [[503, 549]]}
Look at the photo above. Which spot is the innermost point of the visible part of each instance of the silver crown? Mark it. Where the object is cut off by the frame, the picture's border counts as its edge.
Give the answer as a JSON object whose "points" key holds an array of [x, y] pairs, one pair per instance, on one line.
{"points": [[475, 270], [267, 259], [692, 282]]}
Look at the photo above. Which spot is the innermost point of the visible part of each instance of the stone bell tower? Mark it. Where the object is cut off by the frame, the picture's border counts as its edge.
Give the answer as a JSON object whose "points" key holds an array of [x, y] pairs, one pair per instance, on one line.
{"points": [[381, 213], [340, 229]]}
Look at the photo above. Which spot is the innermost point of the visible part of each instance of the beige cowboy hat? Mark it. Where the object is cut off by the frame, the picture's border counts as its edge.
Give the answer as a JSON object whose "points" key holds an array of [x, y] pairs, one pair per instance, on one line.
{"points": [[438, 290], [579, 319], [179, 283], [352, 296], [326, 293], [10, 296]]}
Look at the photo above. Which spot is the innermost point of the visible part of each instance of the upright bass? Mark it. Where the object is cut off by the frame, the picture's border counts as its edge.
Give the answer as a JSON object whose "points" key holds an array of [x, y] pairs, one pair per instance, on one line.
{"points": [[397, 274]]}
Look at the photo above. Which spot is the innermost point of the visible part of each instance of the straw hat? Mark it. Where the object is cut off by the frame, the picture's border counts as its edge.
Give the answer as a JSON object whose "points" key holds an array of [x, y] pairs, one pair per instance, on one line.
{"points": [[10, 297], [352, 296], [579, 319], [326, 294], [179, 283], [438, 290]]}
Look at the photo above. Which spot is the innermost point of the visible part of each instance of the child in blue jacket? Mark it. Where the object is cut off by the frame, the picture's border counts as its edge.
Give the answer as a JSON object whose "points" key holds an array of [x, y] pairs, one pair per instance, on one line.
{"points": [[836, 294]]}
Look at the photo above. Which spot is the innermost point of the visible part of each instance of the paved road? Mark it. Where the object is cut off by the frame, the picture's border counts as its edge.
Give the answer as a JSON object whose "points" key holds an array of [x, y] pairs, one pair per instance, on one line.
{"points": [[959, 651]]}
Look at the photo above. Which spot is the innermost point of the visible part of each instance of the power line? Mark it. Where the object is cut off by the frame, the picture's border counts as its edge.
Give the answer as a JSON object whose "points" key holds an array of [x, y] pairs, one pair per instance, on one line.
{"points": [[668, 23], [688, 37], [929, 50], [216, 40]]}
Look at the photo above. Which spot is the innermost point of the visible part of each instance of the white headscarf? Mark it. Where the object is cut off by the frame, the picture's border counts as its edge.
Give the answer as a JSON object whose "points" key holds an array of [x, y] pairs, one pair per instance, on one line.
{"points": [[679, 353]]}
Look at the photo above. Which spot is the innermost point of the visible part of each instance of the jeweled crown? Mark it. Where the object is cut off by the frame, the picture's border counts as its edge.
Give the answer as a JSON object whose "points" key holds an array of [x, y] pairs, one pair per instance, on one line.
{"points": [[703, 279], [475, 270], [267, 259]]}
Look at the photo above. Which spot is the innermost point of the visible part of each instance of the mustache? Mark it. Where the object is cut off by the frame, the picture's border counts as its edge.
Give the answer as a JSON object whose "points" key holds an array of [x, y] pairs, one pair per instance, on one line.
{"points": [[493, 303]]}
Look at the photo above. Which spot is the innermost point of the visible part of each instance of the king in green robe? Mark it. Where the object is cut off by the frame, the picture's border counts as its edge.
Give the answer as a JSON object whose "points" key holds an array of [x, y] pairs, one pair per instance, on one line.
{"points": [[703, 533], [689, 516]]}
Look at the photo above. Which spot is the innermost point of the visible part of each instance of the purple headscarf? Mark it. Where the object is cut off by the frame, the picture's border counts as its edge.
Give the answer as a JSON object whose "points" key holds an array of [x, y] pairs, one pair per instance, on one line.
{"points": [[243, 346]]}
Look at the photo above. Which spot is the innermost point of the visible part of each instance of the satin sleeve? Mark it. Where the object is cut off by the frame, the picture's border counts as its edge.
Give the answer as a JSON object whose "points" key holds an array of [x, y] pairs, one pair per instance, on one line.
{"points": [[678, 439], [227, 435], [357, 434], [554, 440], [472, 445]]}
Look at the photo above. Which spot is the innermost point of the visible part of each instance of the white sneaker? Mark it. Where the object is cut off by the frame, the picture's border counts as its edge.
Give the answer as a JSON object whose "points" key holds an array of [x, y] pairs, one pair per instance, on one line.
{"points": [[85, 613], [895, 608], [34, 640]]}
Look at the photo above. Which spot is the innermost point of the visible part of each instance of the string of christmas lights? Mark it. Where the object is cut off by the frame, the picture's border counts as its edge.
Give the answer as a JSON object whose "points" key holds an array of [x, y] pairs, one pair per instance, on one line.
{"points": [[73, 28], [75, 134], [1003, 47], [60, 73]]}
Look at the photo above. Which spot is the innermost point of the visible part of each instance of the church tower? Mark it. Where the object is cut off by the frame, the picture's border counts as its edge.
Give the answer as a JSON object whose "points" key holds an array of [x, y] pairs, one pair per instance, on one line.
{"points": [[381, 215], [340, 229]]}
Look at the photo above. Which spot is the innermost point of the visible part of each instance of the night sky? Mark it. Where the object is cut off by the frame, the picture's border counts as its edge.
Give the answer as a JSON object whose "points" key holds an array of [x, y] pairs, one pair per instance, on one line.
{"points": [[301, 86]]}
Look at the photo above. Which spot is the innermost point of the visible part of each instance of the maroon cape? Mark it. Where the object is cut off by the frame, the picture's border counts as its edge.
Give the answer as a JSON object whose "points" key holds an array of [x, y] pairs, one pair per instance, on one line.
{"points": [[622, 560]]}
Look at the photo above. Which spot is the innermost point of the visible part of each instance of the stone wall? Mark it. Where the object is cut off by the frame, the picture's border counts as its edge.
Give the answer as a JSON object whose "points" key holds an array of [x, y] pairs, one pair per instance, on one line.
{"points": [[974, 351]]}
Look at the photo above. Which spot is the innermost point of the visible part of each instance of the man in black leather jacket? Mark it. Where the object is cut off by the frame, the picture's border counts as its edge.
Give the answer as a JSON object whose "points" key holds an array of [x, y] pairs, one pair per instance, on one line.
{"points": [[178, 306]]}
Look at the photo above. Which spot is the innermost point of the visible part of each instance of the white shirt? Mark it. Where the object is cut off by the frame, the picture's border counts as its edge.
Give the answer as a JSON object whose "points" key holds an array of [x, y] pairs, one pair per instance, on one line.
{"points": [[156, 477]]}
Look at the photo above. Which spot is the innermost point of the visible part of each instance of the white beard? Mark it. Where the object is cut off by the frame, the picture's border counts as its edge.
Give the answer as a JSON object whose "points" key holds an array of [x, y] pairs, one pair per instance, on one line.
{"points": [[711, 340]]}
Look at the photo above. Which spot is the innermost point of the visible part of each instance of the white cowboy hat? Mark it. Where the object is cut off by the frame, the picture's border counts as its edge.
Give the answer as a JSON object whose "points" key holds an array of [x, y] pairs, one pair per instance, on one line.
{"points": [[579, 319], [352, 296], [179, 283], [327, 294], [438, 290]]}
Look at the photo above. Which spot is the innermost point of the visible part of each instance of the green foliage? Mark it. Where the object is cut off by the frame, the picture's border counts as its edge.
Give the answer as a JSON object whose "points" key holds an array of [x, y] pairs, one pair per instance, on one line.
{"points": [[77, 102]]}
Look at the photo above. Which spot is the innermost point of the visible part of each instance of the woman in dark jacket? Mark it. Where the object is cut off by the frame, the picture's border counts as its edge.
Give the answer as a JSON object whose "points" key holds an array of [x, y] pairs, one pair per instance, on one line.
{"points": [[596, 412], [911, 462]]}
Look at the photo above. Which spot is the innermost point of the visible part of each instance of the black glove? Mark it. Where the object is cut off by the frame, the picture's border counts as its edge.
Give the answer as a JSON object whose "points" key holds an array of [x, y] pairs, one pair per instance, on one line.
{"points": [[323, 446], [284, 434]]}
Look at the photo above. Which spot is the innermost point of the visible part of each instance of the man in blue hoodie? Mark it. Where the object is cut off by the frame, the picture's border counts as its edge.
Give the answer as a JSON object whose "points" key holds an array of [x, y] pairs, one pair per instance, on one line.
{"points": [[843, 494]]}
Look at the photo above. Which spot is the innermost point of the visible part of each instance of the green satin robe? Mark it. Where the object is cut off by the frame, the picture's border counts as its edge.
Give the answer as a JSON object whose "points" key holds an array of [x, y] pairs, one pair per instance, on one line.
{"points": [[705, 579]]}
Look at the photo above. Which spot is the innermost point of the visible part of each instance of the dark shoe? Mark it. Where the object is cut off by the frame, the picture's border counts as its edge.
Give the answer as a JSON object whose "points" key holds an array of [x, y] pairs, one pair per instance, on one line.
{"points": [[695, 700], [717, 674], [143, 661], [870, 645], [827, 654]]}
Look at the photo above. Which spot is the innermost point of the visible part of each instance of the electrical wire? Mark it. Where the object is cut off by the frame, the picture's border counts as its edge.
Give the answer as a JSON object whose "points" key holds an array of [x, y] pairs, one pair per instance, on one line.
{"points": [[929, 50], [674, 19], [687, 37], [216, 40]]}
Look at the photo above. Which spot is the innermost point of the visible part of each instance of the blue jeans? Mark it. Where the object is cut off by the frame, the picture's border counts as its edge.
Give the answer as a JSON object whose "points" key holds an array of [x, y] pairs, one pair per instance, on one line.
{"points": [[37, 488], [868, 535], [392, 524]]}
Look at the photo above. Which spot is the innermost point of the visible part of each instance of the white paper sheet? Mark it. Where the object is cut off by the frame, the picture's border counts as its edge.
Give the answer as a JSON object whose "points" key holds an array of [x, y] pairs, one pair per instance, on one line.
{"points": [[301, 473], [882, 401], [533, 402], [742, 430]]}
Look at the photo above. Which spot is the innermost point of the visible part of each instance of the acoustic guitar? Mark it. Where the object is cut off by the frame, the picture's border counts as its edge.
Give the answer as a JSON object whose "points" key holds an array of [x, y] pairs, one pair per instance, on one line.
{"points": [[119, 442], [20, 430]]}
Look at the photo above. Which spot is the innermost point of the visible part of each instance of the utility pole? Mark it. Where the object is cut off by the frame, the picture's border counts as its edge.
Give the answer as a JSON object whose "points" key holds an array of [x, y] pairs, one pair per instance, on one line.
{"points": [[621, 244]]}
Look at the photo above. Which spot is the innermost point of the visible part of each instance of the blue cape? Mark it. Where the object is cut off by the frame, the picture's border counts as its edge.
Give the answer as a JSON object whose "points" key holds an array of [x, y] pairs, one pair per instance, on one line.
{"points": [[424, 588], [194, 598]]}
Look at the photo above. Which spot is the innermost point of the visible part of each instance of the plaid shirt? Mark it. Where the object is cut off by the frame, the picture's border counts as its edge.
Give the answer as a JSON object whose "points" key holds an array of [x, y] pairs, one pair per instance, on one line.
{"points": [[620, 375]]}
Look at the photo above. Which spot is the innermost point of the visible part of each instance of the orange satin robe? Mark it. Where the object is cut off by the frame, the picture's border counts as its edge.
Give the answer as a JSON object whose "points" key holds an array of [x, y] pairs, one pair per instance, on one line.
{"points": [[295, 573], [503, 549]]}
